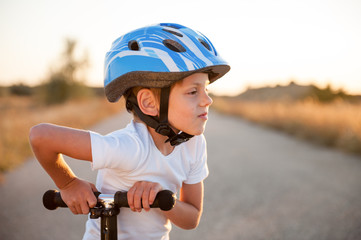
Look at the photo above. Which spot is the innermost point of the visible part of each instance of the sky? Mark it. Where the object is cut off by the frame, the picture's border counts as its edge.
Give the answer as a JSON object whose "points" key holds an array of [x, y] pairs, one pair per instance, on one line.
{"points": [[266, 42]]}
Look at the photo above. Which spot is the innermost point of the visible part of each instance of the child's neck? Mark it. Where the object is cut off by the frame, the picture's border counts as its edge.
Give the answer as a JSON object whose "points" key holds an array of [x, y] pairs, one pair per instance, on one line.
{"points": [[159, 140]]}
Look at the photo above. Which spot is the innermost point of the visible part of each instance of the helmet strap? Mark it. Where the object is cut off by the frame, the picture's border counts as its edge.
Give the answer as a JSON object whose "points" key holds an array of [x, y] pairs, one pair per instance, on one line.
{"points": [[161, 124]]}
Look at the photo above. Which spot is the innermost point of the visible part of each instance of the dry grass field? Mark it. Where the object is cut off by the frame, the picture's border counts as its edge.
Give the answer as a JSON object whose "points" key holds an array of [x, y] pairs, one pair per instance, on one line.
{"points": [[19, 114], [335, 124]]}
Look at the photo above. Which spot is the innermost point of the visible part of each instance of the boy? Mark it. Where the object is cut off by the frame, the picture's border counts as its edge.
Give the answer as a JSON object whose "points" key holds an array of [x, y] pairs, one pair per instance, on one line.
{"points": [[163, 72]]}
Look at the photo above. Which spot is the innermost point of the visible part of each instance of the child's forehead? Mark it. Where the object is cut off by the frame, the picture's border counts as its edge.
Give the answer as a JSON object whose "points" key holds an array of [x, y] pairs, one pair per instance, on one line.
{"points": [[194, 79]]}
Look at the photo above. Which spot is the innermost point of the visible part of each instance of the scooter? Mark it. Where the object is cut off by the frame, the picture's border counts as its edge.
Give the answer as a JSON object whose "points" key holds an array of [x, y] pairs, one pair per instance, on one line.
{"points": [[107, 208]]}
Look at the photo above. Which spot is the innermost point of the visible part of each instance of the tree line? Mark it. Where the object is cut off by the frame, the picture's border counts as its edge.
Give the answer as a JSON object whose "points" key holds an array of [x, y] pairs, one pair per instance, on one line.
{"points": [[65, 80]]}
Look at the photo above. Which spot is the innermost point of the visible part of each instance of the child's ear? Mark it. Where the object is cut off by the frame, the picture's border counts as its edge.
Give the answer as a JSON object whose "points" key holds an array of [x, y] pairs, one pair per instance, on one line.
{"points": [[147, 102]]}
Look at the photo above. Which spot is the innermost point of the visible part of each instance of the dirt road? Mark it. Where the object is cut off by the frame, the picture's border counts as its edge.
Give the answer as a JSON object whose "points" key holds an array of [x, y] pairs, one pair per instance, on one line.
{"points": [[262, 185]]}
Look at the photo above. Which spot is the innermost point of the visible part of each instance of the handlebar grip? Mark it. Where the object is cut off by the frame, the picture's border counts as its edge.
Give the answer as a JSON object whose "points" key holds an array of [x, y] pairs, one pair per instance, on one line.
{"points": [[164, 200], [52, 200]]}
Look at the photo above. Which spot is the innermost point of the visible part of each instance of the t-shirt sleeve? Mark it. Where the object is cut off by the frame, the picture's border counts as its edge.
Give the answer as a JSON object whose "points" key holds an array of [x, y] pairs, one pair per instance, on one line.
{"points": [[199, 168], [115, 151]]}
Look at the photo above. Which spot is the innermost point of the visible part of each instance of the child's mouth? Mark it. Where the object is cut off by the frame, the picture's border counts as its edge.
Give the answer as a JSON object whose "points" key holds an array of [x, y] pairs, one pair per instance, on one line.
{"points": [[203, 115]]}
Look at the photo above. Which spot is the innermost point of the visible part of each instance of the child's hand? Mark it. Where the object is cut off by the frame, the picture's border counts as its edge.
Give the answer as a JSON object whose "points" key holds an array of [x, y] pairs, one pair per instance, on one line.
{"points": [[78, 196], [144, 193]]}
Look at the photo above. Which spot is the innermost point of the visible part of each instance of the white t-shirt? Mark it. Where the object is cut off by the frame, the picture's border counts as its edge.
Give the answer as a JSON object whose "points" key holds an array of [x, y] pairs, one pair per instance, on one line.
{"points": [[130, 155]]}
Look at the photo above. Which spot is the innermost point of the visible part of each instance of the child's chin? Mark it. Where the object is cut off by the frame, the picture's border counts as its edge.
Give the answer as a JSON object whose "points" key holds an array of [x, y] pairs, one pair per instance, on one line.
{"points": [[194, 130], [197, 132]]}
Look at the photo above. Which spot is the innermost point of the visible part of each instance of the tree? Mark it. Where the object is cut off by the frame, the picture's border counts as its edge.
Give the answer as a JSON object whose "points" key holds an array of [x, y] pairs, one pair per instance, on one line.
{"points": [[65, 82]]}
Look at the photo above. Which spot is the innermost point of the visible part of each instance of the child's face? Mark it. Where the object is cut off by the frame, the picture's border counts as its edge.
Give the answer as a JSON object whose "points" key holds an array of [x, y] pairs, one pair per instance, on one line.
{"points": [[189, 103]]}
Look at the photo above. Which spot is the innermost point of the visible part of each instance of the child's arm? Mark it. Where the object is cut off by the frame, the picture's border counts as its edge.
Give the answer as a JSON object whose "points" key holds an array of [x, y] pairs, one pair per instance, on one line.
{"points": [[188, 209], [49, 142]]}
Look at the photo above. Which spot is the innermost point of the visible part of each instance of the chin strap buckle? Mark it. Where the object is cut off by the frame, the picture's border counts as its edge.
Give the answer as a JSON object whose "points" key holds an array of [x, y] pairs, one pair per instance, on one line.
{"points": [[179, 138], [173, 138]]}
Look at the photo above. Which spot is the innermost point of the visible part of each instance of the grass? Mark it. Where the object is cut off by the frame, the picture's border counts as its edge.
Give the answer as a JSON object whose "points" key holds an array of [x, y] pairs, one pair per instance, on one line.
{"points": [[19, 114], [336, 124]]}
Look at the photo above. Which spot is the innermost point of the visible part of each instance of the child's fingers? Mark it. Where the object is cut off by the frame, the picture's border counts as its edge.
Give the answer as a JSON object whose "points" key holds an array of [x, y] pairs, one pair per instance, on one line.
{"points": [[137, 198], [91, 199], [92, 202], [153, 193], [93, 187], [145, 198], [75, 209], [79, 196], [142, 193], [79, 207], [71, 202], [130, 196], [84, 208]]}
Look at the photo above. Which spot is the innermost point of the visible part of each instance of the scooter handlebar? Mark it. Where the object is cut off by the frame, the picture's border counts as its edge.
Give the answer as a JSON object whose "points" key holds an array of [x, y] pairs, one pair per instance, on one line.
{"points": [[164, 200]]}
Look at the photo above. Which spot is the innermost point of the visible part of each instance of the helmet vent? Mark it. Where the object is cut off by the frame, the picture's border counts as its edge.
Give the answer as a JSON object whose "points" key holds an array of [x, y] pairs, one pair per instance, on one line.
{"points": [[171, 25], [133, 45], [173, 45], [173, 32], [204, 43]]}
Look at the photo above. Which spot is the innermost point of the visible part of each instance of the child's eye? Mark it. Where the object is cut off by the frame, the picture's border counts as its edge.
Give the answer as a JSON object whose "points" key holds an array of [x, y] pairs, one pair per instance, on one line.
{"points": [[193, 92]]}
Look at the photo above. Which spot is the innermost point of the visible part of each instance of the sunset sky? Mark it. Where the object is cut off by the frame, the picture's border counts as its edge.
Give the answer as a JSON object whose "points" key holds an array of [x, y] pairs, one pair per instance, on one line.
{"points": [[266, 42]]}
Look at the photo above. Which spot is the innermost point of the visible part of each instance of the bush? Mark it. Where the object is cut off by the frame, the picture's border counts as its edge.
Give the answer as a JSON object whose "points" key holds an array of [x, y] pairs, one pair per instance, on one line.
{"points": [[20, 90], [57, 90], [3, 91], [328, 95]]}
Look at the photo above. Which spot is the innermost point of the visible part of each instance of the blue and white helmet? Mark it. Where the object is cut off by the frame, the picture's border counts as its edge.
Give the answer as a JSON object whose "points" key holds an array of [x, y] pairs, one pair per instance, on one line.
{"points": [[157, 56]]}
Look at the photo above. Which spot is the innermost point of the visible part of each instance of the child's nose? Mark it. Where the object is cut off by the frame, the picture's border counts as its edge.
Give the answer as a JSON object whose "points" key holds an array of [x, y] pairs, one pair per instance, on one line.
{"points": [[206, 100]]}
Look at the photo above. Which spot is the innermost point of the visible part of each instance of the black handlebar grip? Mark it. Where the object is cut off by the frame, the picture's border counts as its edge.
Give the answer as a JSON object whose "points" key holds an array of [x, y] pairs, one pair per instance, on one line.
{"points": [[52, 200], [164, 200]]}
